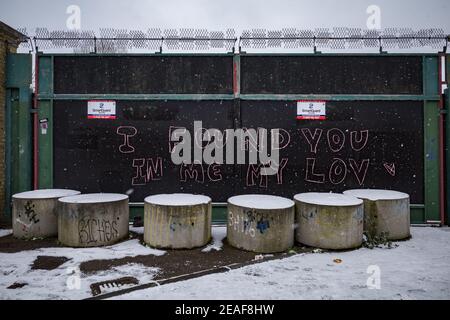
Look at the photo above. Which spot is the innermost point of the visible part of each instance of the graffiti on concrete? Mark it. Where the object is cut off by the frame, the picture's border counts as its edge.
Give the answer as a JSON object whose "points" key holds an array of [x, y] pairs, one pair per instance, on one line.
{"points": [[249, 223], [28, 217], [263, 225], [30, 213], [97, 231]]}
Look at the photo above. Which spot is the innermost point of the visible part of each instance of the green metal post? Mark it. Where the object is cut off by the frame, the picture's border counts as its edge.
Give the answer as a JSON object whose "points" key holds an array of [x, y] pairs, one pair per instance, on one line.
{"points": [[45, 113], [18, 126], [431, 137]]}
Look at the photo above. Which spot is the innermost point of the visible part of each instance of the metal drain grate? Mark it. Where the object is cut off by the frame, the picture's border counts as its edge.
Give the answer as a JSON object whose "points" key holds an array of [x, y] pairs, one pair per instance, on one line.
{"points": [[96, 288]]}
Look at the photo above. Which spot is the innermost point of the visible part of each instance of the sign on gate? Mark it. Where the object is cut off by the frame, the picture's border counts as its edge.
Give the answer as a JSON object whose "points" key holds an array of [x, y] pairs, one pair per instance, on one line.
{"points": [[311, 110], [105, 109]]}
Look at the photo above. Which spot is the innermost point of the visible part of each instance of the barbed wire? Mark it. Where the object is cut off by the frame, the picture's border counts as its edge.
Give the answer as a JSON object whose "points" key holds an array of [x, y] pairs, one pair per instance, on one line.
{"points": [[110, 40]]}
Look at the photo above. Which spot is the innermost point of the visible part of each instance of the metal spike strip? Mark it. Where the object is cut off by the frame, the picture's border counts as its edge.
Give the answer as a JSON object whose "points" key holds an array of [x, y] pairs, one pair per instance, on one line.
{"points": [[217, 37], [187, 39], [307, 39], [231, 39], [370, 38], [355, 38], [171, 39], [245, 39], [138, 39], [389, 38], [154, 33], [121, 40], [24, 45], [275, 37], [201, 36], [323, 36]]}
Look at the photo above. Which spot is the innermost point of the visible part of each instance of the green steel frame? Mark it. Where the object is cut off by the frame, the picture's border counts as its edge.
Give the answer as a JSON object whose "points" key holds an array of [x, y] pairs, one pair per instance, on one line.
{"points": [[18, 147], [427, 212]]}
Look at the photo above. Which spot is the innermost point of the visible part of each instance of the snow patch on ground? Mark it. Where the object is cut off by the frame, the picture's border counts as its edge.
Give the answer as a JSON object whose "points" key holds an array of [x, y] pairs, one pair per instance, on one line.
{"points": [[218, 234], [416, 269], [138, 230], [53, 284], [4, 233]]}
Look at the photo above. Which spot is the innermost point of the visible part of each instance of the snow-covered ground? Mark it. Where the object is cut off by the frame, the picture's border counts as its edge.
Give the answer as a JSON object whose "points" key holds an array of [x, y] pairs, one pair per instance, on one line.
{"points": [[4, 233], [62, 282], [218, 234], [416, 269]]}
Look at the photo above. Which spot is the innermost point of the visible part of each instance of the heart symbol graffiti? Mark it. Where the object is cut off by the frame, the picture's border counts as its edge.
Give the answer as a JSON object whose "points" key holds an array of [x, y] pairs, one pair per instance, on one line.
{"points": [[390, 168]]}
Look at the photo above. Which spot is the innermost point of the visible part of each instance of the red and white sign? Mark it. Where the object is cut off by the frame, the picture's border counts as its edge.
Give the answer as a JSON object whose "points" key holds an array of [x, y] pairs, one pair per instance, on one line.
{"points": [[311, 110], [101, 109]]}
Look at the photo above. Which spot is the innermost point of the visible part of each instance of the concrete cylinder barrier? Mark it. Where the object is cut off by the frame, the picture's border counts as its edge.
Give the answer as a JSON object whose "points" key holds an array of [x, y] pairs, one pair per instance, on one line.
{"points": [[329, 220], [177, 221], [93, 220], [35, 212], [386, 212], [261, 223]]}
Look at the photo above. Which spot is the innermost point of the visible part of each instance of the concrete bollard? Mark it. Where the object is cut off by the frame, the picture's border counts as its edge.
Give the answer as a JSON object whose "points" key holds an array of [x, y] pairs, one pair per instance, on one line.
{"points": [[35, 212], [177, 221], [385, 212], [261, 223], [93, 220], [329, 220]]}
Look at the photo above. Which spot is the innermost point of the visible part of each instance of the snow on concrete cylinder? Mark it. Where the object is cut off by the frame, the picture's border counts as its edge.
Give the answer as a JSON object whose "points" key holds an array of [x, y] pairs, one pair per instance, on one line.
{"points": [[329, 220], [177, 221], [386, 212], [261, 223], [93, 220], [35, 212]]}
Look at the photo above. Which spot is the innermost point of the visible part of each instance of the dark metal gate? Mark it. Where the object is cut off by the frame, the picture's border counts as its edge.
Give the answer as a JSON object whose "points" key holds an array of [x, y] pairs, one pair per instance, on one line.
{"points": [[381, 129]]}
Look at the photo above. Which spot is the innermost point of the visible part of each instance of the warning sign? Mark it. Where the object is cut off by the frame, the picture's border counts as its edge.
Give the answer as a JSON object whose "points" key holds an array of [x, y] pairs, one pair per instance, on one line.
{"points": [[311, 110], [101, 109]]}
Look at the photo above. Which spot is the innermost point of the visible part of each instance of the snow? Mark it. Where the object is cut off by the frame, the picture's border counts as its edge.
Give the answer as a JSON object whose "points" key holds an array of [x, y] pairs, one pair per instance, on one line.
{"points": [[94, 198], [218, 234], [52, 284], [46, 194], [138, 230], [177, 199], [416, 269], [376, 194], [261, 201], [327, 199], [4, 233]]}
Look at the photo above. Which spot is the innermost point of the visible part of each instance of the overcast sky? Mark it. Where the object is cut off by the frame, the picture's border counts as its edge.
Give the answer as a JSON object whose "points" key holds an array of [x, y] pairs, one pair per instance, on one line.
{"points": [[222, 14]]}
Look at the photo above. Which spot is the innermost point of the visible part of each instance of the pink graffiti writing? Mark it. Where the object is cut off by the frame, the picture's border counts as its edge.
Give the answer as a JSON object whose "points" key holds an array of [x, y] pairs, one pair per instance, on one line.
{"points": [[127, 132], [337, 172], [254, 174], [147, 170]]}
